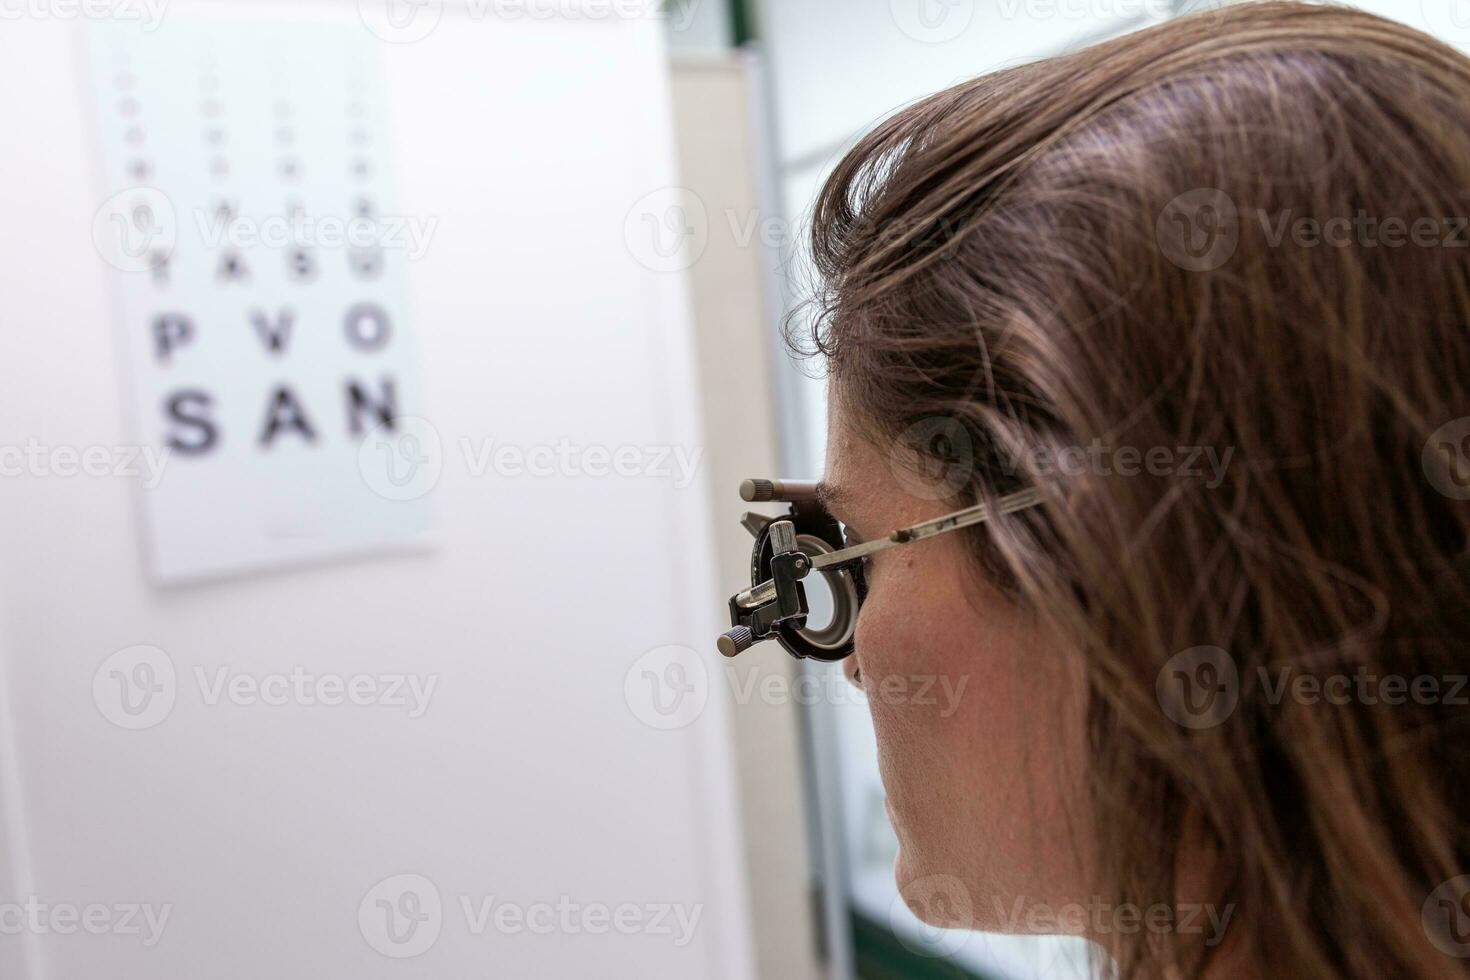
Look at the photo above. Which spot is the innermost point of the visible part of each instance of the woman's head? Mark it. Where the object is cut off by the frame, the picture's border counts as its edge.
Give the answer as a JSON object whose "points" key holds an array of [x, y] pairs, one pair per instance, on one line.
{"points": [[1208, 287]]}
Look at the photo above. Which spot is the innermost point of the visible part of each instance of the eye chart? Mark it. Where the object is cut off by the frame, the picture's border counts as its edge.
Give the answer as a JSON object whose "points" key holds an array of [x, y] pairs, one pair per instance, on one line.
{"points": [[261, 283]]}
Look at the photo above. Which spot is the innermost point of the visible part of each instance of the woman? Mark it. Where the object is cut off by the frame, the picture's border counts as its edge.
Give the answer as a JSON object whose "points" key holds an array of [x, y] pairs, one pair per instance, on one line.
{"points": [[1207, 287]]}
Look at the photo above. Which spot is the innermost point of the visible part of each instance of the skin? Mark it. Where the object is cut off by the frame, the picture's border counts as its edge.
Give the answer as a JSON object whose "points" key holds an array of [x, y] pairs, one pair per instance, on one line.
{"points": [[984, 777], [985, 790]]}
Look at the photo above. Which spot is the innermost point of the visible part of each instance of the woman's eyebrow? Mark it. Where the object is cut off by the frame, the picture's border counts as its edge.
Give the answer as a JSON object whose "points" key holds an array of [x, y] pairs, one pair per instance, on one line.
{"points": [[831, 496]]}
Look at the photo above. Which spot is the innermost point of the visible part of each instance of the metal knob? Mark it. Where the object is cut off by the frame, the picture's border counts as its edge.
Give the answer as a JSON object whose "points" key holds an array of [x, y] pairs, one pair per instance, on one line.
{"points": [[790, 491], [754, 490], [735, 641]]}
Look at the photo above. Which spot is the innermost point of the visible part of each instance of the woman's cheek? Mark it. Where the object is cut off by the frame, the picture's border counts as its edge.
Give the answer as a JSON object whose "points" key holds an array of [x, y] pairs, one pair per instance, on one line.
{"points": [[873, 643], [875, 635], [895, 652]]}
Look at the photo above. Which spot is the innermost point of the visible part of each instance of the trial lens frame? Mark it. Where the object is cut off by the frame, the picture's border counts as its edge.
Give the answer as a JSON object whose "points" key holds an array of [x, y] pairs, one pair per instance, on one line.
{"points": [[807, 539]]}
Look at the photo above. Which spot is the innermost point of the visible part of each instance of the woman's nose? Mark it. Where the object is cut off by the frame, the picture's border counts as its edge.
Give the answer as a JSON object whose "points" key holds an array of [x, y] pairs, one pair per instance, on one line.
{"points": [[852, 670]]}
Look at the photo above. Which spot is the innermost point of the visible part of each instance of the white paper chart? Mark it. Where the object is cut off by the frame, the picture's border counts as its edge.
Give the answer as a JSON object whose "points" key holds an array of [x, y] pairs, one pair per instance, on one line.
{"points": [[261, 266]]}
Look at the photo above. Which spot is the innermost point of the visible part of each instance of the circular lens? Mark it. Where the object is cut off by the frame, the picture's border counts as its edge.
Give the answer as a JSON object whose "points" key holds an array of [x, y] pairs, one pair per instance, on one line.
{"points": [[821, 603], [831, 600]]}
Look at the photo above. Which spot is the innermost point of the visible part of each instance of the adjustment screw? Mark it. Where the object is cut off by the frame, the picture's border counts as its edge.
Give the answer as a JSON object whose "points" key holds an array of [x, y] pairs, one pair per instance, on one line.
{"points": [[757, 490], [735, 641]]}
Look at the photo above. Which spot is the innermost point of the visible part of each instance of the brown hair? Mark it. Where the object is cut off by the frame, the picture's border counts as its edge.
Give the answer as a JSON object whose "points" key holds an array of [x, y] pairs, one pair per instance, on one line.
{"points": [[1116, 248]]}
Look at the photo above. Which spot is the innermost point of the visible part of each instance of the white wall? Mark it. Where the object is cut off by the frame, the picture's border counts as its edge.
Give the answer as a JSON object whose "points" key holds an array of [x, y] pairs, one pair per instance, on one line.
{"points": [[532, 776], [716, 122]]}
